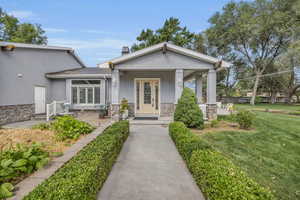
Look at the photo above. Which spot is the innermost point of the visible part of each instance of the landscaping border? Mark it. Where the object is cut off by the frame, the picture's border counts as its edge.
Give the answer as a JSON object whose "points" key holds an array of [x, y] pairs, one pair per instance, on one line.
{"points": [[83, 176], [216, 175], [28, 184]]}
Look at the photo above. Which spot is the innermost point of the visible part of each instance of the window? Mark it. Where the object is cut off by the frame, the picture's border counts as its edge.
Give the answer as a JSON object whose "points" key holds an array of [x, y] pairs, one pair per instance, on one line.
{"points": [[86, 91]]}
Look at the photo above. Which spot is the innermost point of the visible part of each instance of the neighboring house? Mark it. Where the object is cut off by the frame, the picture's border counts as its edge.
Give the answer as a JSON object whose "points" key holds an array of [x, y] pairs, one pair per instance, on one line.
{"points": [[151, 79]]}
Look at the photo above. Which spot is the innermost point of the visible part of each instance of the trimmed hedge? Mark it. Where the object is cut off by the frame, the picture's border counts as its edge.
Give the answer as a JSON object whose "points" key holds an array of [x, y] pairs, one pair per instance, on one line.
{"points": [[185, 141], [217, 177], [220, 179], [83, 176]]}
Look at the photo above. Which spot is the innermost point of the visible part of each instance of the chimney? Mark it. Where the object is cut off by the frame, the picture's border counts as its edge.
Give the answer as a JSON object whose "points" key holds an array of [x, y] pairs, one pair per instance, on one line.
{"points": [[125, 50]]}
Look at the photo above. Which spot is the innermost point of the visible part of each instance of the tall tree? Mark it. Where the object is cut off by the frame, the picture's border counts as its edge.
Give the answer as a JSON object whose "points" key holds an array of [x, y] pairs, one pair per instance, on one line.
{"points": [[171, 31], [11, 30], [256, 32]]}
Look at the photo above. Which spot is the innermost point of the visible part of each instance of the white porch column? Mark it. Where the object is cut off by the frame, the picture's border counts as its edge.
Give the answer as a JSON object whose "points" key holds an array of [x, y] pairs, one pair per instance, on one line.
{"points": [[115, 86], [198, 89], [211, 87], [211, 107], [178, 84]]}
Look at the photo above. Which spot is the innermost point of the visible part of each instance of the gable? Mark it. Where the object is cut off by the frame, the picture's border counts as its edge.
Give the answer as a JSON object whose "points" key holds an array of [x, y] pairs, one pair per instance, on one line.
{"points": [[169, 59]]}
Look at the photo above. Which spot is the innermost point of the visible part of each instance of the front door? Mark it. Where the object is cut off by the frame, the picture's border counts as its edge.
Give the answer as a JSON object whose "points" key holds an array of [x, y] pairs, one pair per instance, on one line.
{"points": [[147, 96], [39, 99]]}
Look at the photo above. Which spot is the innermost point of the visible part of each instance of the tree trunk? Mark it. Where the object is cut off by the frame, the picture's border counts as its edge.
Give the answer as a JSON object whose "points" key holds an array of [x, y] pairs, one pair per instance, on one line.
{"points": [[252, 102]]}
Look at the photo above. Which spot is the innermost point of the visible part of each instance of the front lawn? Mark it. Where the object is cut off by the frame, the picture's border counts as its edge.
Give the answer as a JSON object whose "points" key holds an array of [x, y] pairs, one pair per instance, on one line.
{"points": [[281, 107], [270, 154]]}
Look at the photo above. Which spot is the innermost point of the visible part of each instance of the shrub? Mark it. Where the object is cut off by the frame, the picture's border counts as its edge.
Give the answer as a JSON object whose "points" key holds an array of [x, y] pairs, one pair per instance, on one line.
{"points": [[83, 176], [41, 126], [245, 119], [220, 179], [188, 111], [67, 127], [18, 161], [185, 141]]}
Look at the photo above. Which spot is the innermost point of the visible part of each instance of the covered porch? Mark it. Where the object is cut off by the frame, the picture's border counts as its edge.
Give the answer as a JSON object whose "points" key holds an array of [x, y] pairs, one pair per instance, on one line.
{"points": [[152, 80]]}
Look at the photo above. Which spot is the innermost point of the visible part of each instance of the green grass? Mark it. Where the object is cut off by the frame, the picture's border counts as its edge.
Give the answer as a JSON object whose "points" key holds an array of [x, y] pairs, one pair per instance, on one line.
{"points": [[284, 107], [270, 154]]}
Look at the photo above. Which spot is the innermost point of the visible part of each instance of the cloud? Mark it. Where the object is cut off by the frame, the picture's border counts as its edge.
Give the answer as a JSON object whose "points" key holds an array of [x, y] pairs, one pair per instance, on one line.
{"points": [[22, 14], [55, 30], [109, 43]]}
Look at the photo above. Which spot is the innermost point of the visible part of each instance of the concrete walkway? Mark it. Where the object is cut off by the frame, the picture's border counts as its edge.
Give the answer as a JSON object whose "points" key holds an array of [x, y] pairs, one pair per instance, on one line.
{"points": [[149, 168]]}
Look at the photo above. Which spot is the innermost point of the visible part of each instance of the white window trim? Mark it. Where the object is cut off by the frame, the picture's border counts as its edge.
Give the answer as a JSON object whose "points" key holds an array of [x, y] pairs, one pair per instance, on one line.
{"points": [[102, 92]]}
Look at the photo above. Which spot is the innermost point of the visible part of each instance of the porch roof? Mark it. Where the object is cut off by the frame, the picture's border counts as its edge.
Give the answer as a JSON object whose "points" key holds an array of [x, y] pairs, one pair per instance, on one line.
{"points": [[165, 46]]}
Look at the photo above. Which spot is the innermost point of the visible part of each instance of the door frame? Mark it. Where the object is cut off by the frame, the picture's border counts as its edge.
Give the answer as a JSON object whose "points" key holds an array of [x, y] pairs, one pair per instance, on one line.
{"points": [[145, 79], [45, 96]]}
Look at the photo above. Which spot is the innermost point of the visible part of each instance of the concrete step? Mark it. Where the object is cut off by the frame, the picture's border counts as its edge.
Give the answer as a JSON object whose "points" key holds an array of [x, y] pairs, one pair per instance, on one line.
{"points": [[149, 122]]}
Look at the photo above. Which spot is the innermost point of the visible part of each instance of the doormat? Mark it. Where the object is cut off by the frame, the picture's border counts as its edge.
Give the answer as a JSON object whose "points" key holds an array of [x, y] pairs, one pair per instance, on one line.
{"points": [[146, 118]]}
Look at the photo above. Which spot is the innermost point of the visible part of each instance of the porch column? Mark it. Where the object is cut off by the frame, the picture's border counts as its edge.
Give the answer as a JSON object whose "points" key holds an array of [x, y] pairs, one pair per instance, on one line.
{"points": [[198, 88], [178, 84], [115, 86], [211, 108]]}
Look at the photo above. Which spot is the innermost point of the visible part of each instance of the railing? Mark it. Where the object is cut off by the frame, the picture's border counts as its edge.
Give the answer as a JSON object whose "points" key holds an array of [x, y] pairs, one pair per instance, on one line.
{"points": [[54, 108]]}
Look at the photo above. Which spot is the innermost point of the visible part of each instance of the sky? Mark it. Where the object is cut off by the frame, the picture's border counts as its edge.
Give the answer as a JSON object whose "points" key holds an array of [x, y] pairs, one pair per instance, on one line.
{"points": [[97, 29]]}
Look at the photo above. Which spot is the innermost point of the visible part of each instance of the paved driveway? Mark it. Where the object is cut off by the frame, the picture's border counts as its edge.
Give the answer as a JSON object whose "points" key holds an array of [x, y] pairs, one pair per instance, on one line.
{"points": [[149, 168]]}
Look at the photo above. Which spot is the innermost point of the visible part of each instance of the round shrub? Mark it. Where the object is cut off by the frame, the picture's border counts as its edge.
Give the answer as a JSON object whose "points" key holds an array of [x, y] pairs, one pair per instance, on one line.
{"points": [[188, 111], [245, 119]]}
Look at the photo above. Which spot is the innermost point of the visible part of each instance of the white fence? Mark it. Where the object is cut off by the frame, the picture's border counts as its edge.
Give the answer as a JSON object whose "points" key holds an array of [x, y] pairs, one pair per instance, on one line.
{"points": [[54, 108]]}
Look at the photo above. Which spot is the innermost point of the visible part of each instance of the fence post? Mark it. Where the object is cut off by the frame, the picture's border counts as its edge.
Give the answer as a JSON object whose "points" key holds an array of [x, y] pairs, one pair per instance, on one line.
{"points": [[47, 110], [54, 108]]}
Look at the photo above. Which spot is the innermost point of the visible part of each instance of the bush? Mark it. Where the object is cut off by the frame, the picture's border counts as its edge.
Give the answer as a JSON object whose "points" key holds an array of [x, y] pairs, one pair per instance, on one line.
{"points": [[220, 179], [217, 177], [185, 141], [245, 119], [17, 162], [67, 127], [83, 176], [188, 111]]}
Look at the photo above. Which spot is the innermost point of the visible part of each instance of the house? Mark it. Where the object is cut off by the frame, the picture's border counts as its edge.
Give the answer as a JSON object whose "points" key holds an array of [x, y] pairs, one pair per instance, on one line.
{"points": [[24, 89], [151, 79]]}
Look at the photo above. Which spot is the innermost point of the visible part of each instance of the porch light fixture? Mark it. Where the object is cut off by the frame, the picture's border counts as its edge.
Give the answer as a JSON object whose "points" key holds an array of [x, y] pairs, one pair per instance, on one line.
{"points": [[9, 47], [111, 65]]}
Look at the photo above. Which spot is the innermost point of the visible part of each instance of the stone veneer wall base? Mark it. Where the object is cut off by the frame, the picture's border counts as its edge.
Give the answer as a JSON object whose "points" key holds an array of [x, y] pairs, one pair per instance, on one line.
{"points": [[15, 113], [211, 111]]}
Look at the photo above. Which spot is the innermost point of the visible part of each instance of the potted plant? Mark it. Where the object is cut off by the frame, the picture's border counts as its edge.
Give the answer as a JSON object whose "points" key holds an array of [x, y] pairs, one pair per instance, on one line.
{"points": [[102, 111], [124, 109]]}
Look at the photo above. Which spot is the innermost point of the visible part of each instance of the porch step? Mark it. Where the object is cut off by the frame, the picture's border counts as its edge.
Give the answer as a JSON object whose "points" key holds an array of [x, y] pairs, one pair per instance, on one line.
{"points": [[150, 122]]}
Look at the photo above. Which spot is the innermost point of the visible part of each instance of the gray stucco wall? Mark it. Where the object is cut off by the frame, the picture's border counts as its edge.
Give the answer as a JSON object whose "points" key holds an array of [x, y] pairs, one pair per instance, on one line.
{"points": [[58, 90], [32, 64], [167, 84]]}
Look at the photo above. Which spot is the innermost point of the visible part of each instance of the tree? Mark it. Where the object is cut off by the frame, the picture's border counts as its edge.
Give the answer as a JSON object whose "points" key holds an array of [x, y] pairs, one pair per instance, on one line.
{"points": [[255, 32], [11, 30], [170, 32]]}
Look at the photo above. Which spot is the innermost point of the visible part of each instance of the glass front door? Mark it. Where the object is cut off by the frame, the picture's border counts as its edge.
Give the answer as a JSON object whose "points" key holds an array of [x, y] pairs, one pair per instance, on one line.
{"points": [[147, 96]]}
